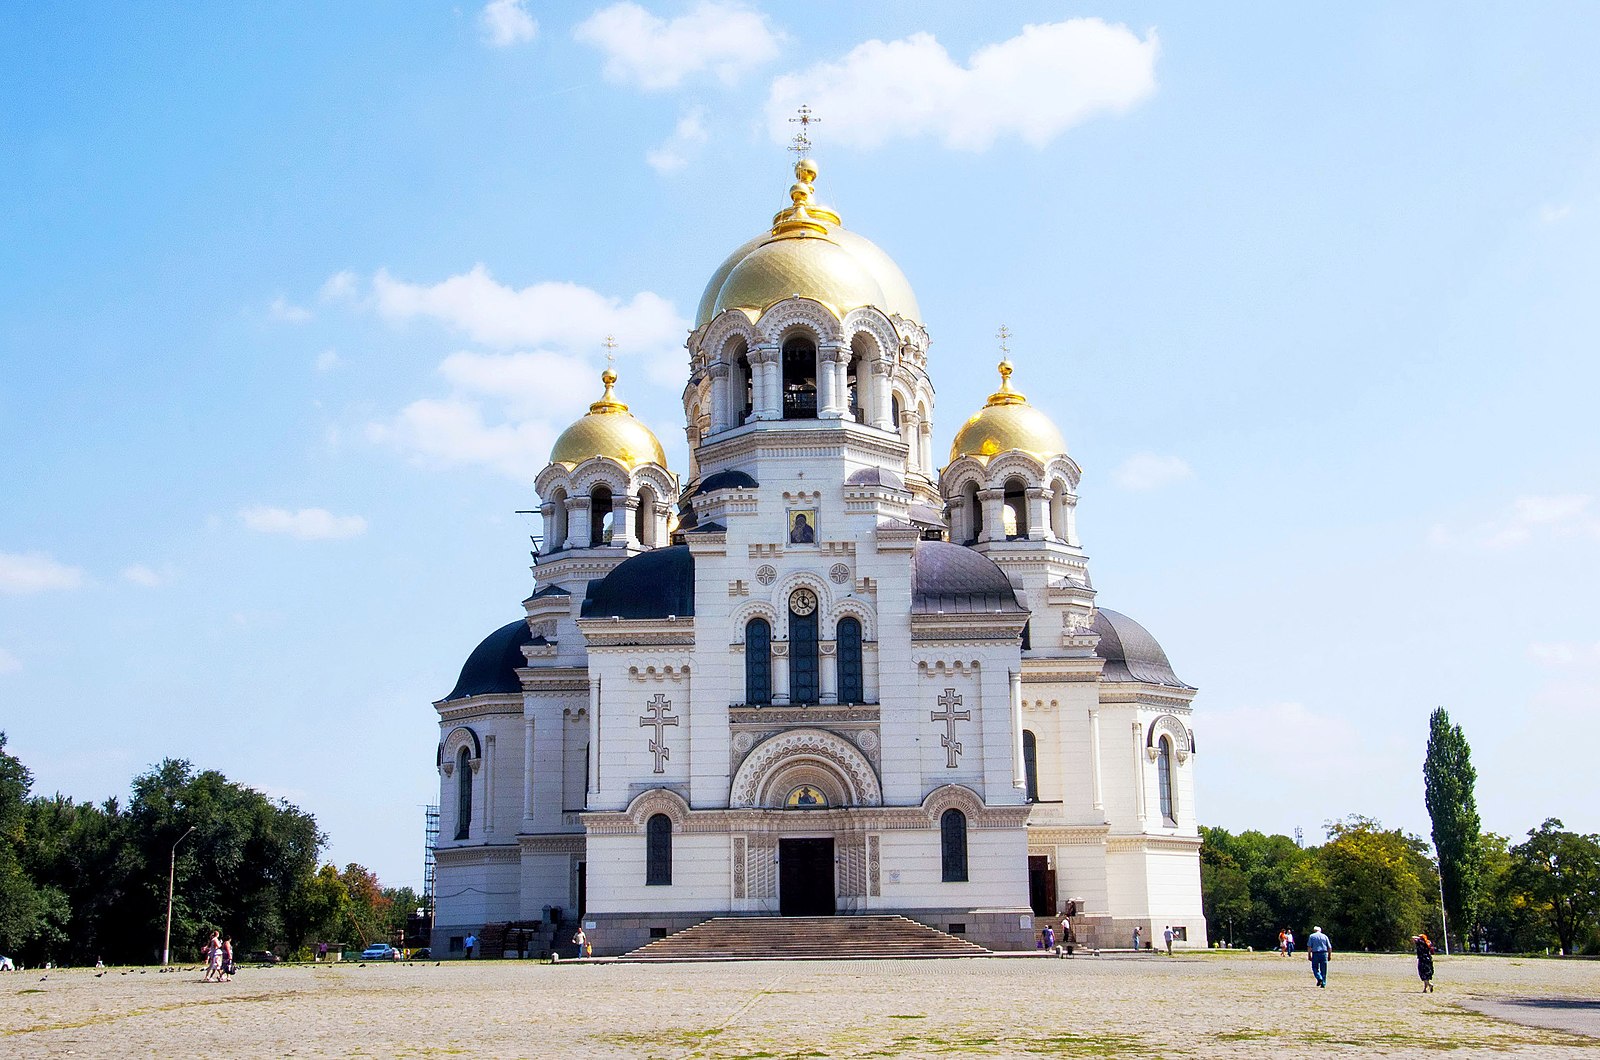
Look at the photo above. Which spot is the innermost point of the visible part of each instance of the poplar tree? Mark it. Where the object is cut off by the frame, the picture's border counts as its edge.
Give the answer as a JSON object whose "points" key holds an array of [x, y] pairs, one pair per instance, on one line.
{"points": [[1448, 779]]}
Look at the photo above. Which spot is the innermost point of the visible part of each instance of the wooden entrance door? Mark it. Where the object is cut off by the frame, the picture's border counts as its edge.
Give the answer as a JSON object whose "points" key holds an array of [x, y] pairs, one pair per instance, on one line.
{"points": [[1041, 885]]}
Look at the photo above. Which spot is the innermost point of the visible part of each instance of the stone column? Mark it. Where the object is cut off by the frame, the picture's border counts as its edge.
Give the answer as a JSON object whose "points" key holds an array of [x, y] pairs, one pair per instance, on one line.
{"points": [[527, 771], [1038, 514], [594, 743], [1019, 768], [881, 412], [828, 671], [1071, 506], [547, 515], [1094, 760], [994, 520], [622, 508], [578, 522], [1138, 773], [765, 363], [870, 692], [489, 772], [719, 398], [780, 672]]}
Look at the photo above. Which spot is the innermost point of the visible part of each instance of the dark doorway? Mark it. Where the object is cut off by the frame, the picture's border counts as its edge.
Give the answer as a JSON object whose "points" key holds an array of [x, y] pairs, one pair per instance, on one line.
{"points": [[1041, 886], [805, 877], [583, 889]]}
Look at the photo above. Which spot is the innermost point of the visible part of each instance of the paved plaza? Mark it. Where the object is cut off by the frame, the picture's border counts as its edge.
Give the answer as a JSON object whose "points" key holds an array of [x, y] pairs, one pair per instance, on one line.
{"points": [[1211, 1005]]}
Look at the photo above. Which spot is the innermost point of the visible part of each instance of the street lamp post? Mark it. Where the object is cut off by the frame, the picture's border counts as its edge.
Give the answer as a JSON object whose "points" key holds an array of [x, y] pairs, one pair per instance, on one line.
{"points": [[172, 869]]}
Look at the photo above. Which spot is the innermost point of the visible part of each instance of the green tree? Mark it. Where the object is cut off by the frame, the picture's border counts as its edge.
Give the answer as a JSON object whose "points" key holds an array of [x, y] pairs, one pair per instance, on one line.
{"points": [[32, 918], [1509, 916], [1560, 873], [1379, 884], [1448, 779]]}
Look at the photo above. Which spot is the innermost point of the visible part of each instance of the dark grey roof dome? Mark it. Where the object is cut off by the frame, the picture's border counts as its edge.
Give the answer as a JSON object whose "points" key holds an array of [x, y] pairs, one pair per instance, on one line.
{"points": [[956, 580], [1130, 652], [725, 480], [875, 476], [492, 666], [654, 584]]}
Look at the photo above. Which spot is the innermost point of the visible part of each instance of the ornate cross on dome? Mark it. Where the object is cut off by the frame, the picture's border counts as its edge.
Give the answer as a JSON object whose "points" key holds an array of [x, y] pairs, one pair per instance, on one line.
{"points": [[1004, 335], [801, 144], [611, 351], [950, 701], [658, 718]]}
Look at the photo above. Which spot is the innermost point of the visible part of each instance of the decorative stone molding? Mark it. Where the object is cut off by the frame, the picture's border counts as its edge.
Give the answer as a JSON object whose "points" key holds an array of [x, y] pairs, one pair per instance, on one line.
{"points": [[450, 749], [658, 800], [805, 756], [664, 673], [783, 318], [1182, 738]]}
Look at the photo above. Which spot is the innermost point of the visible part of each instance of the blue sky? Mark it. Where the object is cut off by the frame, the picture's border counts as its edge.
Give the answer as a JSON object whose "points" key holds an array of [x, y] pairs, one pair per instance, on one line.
{"points": [[295, 301]]}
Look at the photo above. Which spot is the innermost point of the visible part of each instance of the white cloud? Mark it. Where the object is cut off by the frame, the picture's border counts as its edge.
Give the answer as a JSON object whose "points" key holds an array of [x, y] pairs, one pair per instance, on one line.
{"points": [[1148, 471], [139, 574], [1564, 653], [552, 313], [1550, 213], [9, 663], [327, 360], [36, 572], [507, 22], [307, 524], [340, 287], [673, 153], [452, 433], [1034, 86], [286, 311], [1560, 515], [545, 384], [726, 40]]}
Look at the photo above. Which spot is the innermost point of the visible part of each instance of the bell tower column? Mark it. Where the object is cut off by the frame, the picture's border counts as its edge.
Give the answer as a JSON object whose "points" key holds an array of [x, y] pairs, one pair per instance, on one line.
{"points": [[765, 362], [780, 673], [882, 410], [1038, 514], [994, 524], [578, 522], [622, 508], [720, 415]]}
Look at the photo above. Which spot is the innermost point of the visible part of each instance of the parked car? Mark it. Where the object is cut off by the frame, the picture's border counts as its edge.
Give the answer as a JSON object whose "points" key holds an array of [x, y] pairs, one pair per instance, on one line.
{"points": [[263, 957], [423, 954], [378, 951]]}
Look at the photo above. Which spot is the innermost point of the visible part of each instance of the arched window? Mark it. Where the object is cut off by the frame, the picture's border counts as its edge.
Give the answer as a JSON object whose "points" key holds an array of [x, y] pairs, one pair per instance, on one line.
{"points": [[1164, 780], [644, 521], [894, 412], [757, 662], [600, 516], [849, 649], [555, 531], [743, 385], [658, 851], [953, 846], [799, 379], [804, 670], [463, 794], [1016, 510], [1030, 763]]}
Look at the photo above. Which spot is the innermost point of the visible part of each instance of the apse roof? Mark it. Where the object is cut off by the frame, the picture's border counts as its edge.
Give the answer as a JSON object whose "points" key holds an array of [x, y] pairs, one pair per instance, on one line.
{"points": [[956, 580], [654, 584], [1130, 652], [492, 666]]}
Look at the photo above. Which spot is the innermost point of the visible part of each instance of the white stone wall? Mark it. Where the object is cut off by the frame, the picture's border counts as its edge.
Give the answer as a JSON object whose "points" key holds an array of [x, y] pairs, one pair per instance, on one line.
{"points": [[701, 875]]}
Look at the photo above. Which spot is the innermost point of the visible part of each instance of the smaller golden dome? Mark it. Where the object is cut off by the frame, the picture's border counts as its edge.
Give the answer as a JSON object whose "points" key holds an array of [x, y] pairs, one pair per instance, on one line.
{"points": [[1007, 422], [608, 429]]}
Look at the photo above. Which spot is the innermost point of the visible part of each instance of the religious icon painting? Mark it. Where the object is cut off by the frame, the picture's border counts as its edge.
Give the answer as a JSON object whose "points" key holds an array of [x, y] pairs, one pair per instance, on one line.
{"points": [[806, 797], [802, 526]]}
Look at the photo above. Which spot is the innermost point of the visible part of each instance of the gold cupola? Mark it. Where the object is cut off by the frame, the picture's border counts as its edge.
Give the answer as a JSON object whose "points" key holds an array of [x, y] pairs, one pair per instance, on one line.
{"points": [[608, 429], [808, 252], [1007, 422]]}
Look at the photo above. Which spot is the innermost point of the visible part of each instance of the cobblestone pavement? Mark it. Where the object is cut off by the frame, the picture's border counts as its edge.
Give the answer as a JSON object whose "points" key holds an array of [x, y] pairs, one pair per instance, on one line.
{"points": [[1212, 1005]]}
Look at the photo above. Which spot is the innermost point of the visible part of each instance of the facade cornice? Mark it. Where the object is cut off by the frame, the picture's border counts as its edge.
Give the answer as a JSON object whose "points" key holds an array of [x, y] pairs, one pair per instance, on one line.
{"points": [[456, 710]]}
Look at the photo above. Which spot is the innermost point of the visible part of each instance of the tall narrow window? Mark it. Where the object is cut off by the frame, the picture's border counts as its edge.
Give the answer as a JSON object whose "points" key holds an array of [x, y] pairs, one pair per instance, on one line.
{"points": [[555, 531], [803, 667], [799, 380], [463, 794], [658, 851], [1030, 763], [1164, 779], [644, 520], [757, 662], [600, 516], [953, 846], [1016, 509], [850, 683], [974, 506], [744, 390]]}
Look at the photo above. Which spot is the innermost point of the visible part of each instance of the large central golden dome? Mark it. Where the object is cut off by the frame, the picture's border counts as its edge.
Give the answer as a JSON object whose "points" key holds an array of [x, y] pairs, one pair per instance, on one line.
{"points": [[808, 252], [608, 429]]}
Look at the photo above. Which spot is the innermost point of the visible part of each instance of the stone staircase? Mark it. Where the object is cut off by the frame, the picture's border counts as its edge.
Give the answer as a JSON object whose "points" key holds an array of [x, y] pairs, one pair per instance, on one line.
{"points": [[791, 937]]}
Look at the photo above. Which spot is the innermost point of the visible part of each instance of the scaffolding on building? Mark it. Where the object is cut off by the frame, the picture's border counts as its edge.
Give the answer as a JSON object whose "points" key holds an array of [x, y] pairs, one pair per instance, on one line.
{"points": [[431, 840]]}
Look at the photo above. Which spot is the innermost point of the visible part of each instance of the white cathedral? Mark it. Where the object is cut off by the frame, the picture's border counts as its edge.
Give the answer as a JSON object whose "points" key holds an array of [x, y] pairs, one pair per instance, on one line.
{"points": [[818, 674]]}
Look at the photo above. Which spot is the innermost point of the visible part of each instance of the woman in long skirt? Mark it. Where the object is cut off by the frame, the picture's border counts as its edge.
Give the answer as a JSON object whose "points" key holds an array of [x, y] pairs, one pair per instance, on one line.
{"points": [[1424, 961]]}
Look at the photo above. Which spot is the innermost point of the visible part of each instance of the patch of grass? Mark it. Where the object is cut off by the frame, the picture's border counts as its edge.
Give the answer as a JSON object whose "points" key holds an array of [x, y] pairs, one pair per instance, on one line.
{"points": [[899, 1017], [1241, 1036], [31, 990]]}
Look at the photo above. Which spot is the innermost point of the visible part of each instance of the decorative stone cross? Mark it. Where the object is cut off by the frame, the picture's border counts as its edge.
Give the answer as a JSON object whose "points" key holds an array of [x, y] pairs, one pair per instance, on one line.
{"points": [[659, 718], [949, 701]]}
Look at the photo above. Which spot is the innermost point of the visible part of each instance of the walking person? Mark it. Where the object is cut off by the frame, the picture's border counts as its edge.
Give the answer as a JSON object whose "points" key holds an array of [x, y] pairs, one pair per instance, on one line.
{"points": [[1288, 942], [227, 959], [470, 941], [1166, 936], [1282, 952], [1048, 937], [1136, 946], [1424, 947], [212, 951], [1319, 948]]}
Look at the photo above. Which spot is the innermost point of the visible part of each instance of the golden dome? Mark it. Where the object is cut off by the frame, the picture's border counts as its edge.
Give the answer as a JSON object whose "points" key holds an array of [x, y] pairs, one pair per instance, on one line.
{"points": [[1007, 422], [608, 429], [808, 252]]}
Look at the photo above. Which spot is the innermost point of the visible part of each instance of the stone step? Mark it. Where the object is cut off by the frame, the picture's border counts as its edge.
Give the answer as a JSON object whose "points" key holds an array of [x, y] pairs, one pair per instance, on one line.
{"points": [[773, 937]]}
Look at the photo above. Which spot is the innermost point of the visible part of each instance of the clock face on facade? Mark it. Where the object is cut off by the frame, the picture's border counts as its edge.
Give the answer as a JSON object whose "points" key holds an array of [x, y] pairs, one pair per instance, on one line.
{"points": [[803, 602]]}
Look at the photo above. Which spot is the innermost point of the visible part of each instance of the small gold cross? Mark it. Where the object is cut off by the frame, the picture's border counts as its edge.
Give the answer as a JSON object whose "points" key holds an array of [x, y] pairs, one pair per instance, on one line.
{"points": [[801, 144]]}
